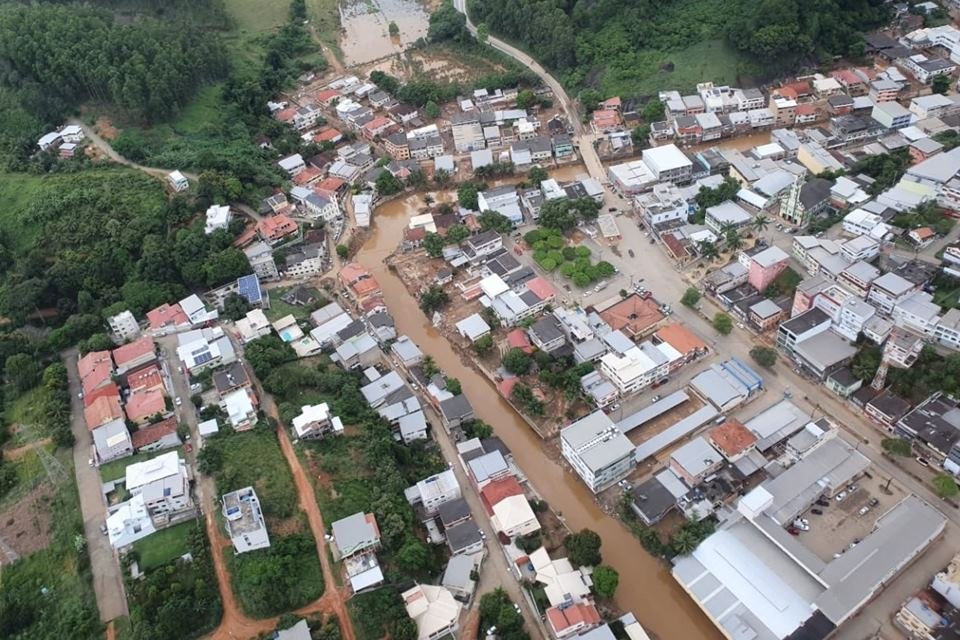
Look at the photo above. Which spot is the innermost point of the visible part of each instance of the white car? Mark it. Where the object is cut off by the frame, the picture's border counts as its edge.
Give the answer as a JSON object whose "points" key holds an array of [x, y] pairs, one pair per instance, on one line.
{"points": [[177, 401]]}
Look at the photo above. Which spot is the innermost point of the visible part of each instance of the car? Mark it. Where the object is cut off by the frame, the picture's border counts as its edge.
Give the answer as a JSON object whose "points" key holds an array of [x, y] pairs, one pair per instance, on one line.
{"points": [[823, 502], [177, 401], [853, 486], [614, 407], [103, 529], [923, 461], [646, 295], [90, 461], [793, 531], [80, 395], [195, 386], [863, 510], [740, 325], [612, 209], [516, 607], [483, 534], [188, 447], [787, 393], [840, 497], [630, 253], [874, 502], [655, 399], [816, 512]]}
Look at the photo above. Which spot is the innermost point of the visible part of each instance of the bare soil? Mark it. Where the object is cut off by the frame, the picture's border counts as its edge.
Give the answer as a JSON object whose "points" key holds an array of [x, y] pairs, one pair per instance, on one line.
{"points": [[25, 526]]}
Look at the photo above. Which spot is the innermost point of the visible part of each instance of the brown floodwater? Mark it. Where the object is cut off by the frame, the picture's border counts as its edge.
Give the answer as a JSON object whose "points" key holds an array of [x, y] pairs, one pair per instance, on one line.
{"points": [[646, 586], [740, 143], [366, 25]]}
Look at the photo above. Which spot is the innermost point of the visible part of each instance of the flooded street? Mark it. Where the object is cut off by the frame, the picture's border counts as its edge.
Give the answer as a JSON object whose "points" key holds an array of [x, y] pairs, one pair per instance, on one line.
{"points": [[646, 587], [366, 26], [740, 143]]}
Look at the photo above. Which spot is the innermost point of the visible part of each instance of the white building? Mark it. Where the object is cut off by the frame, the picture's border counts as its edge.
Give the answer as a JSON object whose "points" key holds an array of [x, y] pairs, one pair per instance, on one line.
{"points": [[244, 520], [239, 408], [598, 451], [362, 209], [163, 483], [503, 200], [434, 491], [316, 421], [434, 610], [918, 313], [889, 290], [292, 165], [124, 326], [639, 366], [177, 181], [128, 522], [218, 217], [668, 164], [947, 332], [663, 204], [727, 213]]}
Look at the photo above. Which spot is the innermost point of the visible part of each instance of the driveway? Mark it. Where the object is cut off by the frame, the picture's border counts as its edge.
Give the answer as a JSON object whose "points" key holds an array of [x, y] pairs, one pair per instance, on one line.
{"points": [[104, 563]]}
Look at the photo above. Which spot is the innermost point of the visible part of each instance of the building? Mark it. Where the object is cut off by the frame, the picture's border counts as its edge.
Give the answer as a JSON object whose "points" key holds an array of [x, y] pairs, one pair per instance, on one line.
{"points": [[598, 451], [244, 520], [513, 516], [947, 331], [240, 409], [355, 534], [315, 421], [933, 426], [694, 461], [430, 493], [889, 290], [886, 409], [726, 385], [455, 411], [732, 439], [434, 610], [124, 326], [766, 266], [218, 218], [801, 328], [668, 164], [164, 484], [891, 115], [177, 181], [727, 214]]}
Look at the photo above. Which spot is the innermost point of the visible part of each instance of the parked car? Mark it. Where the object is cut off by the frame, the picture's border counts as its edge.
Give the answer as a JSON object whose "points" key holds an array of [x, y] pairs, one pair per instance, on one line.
{"points": [[177, 401], [863, 510], [923, 461], [793, 531], [841, 496], [816, 512], [630, 253], [823, 502]]}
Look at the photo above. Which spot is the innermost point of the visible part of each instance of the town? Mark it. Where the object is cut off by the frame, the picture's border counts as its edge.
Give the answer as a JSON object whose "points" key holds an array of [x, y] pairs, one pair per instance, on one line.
{"points": [[499, 363]]}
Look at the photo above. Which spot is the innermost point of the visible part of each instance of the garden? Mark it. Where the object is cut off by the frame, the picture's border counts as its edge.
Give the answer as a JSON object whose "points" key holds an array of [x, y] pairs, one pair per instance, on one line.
{"points": [[551, 252]]}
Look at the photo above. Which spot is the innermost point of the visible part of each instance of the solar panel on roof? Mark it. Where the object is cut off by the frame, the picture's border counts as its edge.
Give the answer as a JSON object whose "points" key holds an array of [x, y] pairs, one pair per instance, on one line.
{"points": [[206, 356], [249, 288]]}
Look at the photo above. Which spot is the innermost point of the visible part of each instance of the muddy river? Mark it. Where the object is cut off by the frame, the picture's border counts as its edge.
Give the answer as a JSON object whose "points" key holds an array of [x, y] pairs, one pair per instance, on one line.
{"points": [[366, 24], [646, 587]]}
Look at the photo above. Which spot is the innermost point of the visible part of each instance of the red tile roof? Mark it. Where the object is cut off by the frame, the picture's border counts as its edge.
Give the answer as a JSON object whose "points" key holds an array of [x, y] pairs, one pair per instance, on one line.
{"points": [[329, 185], [505, 386], [352, 271], [611, 103], [732, 437], [102, 410], [276, 227], [145, 378], [329, 94], [633, 315], [148, 434], [518, 339], [144, 403], [110, 389], [572, 615], [606, 118], [133, 351], [327, 135], [806, 109], [286, 115], [95, 370], [675, 246], [305, 177], [91, 362], [680, 338], [367, 287], [495, 491], [166, 315], [543, 289]]}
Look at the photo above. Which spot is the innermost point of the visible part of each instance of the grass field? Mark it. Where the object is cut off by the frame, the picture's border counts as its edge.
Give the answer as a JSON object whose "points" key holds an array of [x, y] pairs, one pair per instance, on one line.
{"points": [[163, 546], [16, 192], [947, 298], [325, 18], [25, 411], [257, 16], [253, 458], [116, 469], [280, 309], [710, 60]]}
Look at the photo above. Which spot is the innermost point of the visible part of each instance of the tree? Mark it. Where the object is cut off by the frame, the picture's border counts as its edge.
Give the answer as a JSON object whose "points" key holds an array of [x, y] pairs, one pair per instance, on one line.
{"points": [[453, 386], [557, 214], [941, 84], [494, 220], [433, 244], [583, 548], [483, 33], [483, 345], [388, 184], [722, 323], [431, 110], [458, 233], [441, 177], [516, 361], [760, 223], [764, 356], [526, 99], [467, 196], [654, 110], [537, 174], [945, 486], [433, 299], [22, 372], [393, 29], [605, 581], [708, 250], [235, 306], [343, 251], [897, 446], [640, 136], [732, 239], [690, 297]]}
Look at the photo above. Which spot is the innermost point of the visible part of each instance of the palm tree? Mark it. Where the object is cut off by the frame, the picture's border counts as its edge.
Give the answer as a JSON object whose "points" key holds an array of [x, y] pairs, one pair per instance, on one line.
{"points": [[428, 199], [760, 223], [708, 250], [732, 239]]}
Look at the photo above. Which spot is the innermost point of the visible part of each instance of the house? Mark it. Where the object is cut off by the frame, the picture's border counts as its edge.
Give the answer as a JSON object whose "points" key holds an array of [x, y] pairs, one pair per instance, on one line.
{"points": [[924, 149], [355, 534], [456, 411], [275, 229], [177, 181], [668, 164], [562, 584], [164, 484], [260, 256], [886, 409], [891, 115], [513, 516], [504, 200], [547, 334], [124, 326], [156, 437], [569, 621], [765, 314], [406, 352], [134, 354], [765, 266], [204, 349], [128, 522], [145, 404], [457, 576], [240, 409], [412, 427], [292, 165], [634, 316], [315, 421], [95, 370], [244, 520], [217, 217], [432, 492], [695, 461], [732, 439], [473, 327], [434, 610], [843, 383], [306, 262], [889, 290], [598, 451], [727, 214]]}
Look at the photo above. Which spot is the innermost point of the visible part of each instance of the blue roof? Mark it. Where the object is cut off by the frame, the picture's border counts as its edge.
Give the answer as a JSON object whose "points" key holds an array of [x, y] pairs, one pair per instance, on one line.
{"points": [[249, 288]]}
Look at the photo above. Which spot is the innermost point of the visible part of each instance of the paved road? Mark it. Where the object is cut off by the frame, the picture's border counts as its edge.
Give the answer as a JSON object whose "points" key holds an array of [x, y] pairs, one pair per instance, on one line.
{"points": [[104, 563], [581, 135], [111, 153]]}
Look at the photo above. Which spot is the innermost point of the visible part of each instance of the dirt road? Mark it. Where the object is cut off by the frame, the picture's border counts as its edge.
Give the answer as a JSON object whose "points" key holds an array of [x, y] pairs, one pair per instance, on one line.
{"points": [[111, 153], [19, 452]]}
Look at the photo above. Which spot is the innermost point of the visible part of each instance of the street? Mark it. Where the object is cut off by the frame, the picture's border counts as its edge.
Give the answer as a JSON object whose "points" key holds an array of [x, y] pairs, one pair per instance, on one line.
{"points": [[104, 563]]}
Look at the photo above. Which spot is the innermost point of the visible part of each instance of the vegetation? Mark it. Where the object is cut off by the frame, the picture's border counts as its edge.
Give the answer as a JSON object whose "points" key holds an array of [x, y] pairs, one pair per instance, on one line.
{"points": [[605, 581], [551, 252], [527, 400], [941, 85], [492, 220], [381, 613], [564, 214], [764, 356], [516, 361], [926, 214], [166, 545], [583, 548], [712, 196], [886, 169], [433, 299], [179, 599], [496, 610], [784, 285], [945, 486], [690, 297], [284, 577], [897, 446], [722, 322]]}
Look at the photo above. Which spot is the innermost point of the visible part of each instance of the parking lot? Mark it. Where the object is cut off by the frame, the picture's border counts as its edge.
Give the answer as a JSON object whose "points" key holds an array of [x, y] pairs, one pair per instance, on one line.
{"points": [[844, 522]]}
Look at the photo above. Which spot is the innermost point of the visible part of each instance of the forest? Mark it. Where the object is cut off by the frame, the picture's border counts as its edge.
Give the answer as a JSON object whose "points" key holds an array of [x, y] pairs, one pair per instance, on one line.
{"points": [[616, 45]]}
